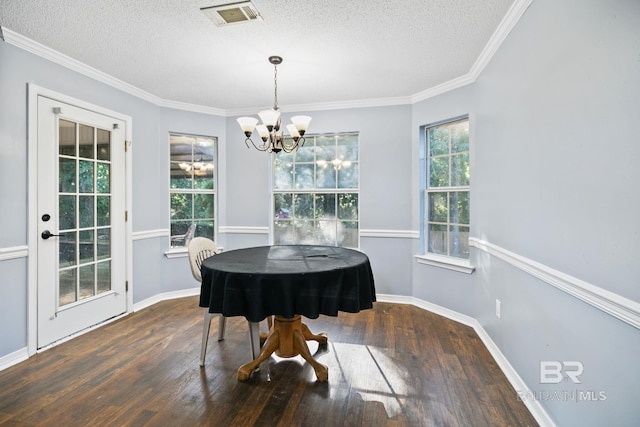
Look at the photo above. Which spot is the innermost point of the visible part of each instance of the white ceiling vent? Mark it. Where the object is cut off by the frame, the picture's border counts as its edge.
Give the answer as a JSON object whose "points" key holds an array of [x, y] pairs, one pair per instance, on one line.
{"points": [[232, 13]]}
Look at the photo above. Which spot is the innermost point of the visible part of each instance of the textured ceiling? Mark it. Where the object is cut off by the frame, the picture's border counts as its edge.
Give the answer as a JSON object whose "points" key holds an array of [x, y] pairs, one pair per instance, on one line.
{"points": [[333, 50]]}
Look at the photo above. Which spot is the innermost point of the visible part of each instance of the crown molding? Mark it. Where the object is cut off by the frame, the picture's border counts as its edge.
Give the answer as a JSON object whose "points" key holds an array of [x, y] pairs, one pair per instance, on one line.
{"points": [[506, 25]]}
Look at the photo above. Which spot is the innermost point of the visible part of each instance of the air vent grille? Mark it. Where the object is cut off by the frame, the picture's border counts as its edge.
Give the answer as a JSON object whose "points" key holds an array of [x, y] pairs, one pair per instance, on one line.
{"points": [[232, 13]]}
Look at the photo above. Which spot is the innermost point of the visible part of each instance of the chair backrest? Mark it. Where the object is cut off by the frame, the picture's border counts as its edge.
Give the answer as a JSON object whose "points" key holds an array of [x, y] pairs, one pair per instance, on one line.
{"points": [[200, 248]]}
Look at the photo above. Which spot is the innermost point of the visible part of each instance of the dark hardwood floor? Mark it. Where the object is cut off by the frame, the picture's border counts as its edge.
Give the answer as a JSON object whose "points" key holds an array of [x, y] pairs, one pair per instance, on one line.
{"points": [[395, 365]]}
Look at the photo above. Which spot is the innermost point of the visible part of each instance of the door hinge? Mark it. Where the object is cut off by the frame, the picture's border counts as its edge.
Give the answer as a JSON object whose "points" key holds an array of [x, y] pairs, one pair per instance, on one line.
{"points": [[126, 286], [126, 145], [126, 216]]}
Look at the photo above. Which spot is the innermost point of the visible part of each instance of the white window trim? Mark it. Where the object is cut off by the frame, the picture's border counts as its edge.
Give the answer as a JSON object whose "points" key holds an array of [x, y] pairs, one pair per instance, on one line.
{"points": [[450, 263]]}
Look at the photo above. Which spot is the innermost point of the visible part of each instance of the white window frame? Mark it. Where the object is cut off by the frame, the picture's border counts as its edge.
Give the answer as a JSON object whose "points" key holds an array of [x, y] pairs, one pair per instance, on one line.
{"points": [[181, 251], [316, 190], [431, 258]]}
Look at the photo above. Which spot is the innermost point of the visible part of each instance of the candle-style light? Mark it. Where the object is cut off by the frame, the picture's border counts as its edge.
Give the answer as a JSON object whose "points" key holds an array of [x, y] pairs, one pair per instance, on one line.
{"points": [[272, 140]]}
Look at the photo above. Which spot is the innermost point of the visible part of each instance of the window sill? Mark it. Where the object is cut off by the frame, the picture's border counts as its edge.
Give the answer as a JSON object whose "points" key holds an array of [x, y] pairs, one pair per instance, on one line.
{"points": [[449, 263], [176, 253]]}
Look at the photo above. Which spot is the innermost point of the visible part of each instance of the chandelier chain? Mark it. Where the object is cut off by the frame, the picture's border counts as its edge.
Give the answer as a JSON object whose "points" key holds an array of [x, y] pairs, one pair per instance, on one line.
{"points": [[275, 85]]}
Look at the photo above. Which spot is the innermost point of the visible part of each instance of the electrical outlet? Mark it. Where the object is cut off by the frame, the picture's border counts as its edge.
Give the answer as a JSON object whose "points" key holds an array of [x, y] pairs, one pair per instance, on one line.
{"points": [[498, 311]]}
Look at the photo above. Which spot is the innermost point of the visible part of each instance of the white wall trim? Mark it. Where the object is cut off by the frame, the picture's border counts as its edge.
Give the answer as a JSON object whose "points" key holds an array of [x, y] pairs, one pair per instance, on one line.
{"points": [[150, 234], [396, 234], [14, 252], [166, 296], [616, 305], [516, 381], [506, 25], [13, 358], [243, 230]]}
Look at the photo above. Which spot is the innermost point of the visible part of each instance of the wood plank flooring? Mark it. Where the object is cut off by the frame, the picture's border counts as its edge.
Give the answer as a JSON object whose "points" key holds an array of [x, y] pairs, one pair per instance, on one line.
{"points": [[394, 365]]}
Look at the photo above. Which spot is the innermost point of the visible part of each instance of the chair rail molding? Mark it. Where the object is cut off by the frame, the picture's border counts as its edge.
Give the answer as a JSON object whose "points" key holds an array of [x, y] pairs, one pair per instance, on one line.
{"points": [[611, 303], [150, 234], [229, 229], [14, 252], [395, 234]]}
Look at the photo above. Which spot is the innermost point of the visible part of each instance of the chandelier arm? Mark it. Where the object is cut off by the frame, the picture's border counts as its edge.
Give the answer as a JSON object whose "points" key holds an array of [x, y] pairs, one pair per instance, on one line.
{"points": [[263, 147]]}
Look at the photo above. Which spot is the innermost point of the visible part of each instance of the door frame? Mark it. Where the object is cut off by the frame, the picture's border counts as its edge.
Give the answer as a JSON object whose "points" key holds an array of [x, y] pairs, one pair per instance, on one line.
{"points": [[34, 91]]}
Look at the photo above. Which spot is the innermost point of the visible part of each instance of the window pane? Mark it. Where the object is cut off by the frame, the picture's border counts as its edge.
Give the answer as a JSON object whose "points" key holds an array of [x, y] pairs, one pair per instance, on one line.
{"points": [[283, 176], [305, 153], [460, 137], [67, 175], [303, 206], [104, 210], [349, 234], [459, 241], [86, 246], [104, 276], [437, 238], [305, 231], [460, 170], [325, 206], [304, 176], [348, 176], [204, 229], [67, 286], [459, 207], [438, 207], [104, 243], [283, 233], [85, 176], [103, 178], [327, 233], [325, 148], [104, 144], [67, 206], [348, 147], [67, 249], [438, 139], [66, 138], [283, 205], [325, 175], [87, 276], [438, 172], [181, 175], [181, 205], [86, 142], [85, 211], [348, 206], [202, 206]]}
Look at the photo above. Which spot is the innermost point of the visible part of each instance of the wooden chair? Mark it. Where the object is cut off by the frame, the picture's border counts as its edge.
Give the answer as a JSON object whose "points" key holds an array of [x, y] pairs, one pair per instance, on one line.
{"points": [[199, 249]]}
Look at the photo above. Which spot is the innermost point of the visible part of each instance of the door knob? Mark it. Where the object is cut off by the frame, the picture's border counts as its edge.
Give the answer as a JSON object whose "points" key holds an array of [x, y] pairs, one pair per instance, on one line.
{"points": [[46, 234]]}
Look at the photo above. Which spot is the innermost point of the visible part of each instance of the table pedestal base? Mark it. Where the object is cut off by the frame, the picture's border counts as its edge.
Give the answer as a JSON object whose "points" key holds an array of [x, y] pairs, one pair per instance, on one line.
{"points": [[288, 338]]}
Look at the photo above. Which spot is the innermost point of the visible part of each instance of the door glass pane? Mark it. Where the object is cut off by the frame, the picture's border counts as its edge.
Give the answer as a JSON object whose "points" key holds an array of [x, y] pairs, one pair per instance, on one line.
{"points": [[104, 276], [85, 180], [85, 211], [67, 175], [87, 280], [67, 281], [66, 138], [85, 176], [104, 141], [102, 177], [86, 142]]}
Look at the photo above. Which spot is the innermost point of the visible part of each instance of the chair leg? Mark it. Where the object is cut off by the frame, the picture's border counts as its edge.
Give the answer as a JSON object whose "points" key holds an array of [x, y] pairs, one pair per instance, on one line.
{"points": [[254, 338], [222, 324], [205, 335]]}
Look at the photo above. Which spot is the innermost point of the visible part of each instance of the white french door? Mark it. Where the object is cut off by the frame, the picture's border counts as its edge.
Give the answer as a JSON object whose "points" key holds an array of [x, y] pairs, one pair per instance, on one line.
{"points": [[81, 201]]}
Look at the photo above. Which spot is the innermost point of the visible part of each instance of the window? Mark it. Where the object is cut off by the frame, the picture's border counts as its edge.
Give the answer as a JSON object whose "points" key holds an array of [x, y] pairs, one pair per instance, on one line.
{"points": [[315, 192], [447, 189], [192, 188]]}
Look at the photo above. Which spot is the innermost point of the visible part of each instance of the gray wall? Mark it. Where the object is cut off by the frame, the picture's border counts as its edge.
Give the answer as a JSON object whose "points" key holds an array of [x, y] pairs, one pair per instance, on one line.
{"points": [[554, 153]]}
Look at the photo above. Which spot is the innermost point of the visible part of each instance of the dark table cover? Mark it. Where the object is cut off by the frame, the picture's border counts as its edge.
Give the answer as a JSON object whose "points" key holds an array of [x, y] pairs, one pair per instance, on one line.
{"points": [[286, 281]]}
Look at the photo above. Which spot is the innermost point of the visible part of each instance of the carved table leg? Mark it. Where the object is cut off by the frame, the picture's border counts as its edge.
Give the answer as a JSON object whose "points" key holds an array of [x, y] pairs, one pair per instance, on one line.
{"points": [[270, 345], [308, 335], [300, 344]]}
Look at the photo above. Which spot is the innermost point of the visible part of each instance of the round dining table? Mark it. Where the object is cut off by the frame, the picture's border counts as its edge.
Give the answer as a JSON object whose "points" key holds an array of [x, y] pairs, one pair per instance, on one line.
{"points": [[287, 282]]}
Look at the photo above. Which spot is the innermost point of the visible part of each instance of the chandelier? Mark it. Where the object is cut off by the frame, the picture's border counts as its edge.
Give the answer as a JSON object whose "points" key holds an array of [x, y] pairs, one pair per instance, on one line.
{"points": [[273, 140]]}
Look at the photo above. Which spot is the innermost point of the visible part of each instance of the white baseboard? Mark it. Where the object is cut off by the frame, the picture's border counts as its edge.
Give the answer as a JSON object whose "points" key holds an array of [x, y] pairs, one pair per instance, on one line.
{"points": [[518, 384], [14, 358], [165, 296]]}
